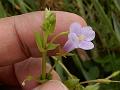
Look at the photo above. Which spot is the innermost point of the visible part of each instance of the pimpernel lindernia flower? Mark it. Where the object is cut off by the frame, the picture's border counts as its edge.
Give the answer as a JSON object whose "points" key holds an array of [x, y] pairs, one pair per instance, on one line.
{"points": [[79, 37]]}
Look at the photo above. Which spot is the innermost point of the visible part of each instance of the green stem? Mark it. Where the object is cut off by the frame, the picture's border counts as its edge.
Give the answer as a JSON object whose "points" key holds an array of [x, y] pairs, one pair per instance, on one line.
{"points": [[43, 76], [99, 81], [58, 35], [45, 40], [63, 66], [52, 68], [78, 64], [81, 8], [44, 55]]}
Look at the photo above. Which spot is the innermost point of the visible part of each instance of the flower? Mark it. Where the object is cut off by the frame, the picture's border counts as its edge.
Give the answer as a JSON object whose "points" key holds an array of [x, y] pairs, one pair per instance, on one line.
{"points": [[79, 37]]}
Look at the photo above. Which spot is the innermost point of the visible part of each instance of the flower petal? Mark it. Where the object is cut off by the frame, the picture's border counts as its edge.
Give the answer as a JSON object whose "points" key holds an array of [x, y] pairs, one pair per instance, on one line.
{"points": [[69, 46], [75, 28], [88, 32], [74, 39], [86, 45], [72, 42]]}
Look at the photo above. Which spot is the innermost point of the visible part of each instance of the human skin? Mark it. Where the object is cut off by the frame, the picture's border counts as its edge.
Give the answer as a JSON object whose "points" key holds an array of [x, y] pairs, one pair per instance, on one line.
{"points": [[17, 45]]}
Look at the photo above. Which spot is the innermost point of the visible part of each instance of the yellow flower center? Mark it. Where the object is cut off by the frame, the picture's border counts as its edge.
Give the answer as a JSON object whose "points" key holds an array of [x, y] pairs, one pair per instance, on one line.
{"points": [[81, 37]]}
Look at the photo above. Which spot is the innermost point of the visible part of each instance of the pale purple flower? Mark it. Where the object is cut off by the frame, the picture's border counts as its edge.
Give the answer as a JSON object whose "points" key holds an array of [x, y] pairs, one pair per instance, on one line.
{"points": [[79, 37]]}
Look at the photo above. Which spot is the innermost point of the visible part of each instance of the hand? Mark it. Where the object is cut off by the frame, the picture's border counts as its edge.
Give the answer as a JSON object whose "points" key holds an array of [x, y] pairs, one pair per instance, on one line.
{"points": [[17, 45]]}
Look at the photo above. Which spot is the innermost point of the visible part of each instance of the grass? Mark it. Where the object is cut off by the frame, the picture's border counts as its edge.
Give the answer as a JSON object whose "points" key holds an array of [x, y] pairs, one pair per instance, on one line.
{"points": [[102, 15]]}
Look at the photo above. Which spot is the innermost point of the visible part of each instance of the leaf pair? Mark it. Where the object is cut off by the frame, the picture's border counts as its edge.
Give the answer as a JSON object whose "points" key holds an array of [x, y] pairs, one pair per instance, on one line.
{"points": [[49, 22], [40, 43]]}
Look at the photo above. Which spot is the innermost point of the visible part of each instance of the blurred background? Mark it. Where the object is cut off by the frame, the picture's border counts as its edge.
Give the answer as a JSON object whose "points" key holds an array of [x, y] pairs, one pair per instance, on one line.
{"points": [[102, 15]]}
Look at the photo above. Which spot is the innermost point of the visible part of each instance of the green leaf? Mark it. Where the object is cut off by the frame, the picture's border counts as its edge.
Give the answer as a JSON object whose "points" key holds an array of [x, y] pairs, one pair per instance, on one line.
{"points": [[79, 66], [2, 11], [102, 15], [71, 83], [49, 22], [114, 74], [92, 87], [79, 87], [39, 41], [93, 72], [81, 8], [32, 4], [116, 27], [117, 4], [52, 46], [23, 8], [59, 69]]}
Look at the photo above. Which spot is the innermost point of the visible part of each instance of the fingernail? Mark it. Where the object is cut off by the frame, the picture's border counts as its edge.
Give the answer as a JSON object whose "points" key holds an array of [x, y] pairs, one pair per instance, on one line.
{"points": [[52, 85]]}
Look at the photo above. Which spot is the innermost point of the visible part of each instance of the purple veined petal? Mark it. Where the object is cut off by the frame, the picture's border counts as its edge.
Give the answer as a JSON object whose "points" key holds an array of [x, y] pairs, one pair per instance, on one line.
{"points": [[72, 42], [75, 28], [86, 45], [88, 32], [69, 46], [72, 37]]}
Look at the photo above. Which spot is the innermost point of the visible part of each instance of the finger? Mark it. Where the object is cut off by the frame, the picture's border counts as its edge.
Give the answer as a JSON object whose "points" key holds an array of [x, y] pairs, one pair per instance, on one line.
{"points": [[7, 76], [31, 66], [52, 85], [17, 34]]}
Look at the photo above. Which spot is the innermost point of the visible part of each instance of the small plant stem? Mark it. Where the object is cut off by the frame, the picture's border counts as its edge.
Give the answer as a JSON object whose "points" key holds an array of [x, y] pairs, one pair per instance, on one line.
{"points": [[43, 76], [58, 35], [79, 66], [45, 40], [90, 81], [63, 66], [52, 68], [99, 81], [114, 74], [44, 55]]}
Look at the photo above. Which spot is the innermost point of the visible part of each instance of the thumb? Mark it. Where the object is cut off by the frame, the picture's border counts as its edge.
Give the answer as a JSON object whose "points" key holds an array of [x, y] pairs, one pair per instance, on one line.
{"points": [[52, 85]]}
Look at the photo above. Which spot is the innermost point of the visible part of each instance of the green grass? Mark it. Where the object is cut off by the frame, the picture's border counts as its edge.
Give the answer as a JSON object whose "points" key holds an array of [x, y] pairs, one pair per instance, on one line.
{"points": [[102, 15]]}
